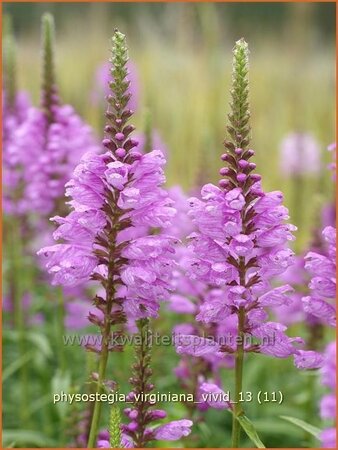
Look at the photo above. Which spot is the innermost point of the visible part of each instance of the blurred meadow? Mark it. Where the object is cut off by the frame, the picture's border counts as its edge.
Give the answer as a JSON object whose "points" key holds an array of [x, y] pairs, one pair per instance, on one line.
{"points": [[182, 53]]}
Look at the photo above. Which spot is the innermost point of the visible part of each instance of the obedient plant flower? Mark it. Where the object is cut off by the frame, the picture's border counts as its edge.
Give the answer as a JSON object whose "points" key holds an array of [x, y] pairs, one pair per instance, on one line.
{"points": [[240, 246], [321, 304], [111, 195], [188, 295], [322, 267], [49, 142], [299, 155], [300, 274]]}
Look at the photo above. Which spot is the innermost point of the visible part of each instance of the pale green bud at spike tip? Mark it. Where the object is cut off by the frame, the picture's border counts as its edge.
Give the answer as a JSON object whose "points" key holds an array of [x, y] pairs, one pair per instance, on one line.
{"points": [[49, 93], [115, 427], [119, 69], [9, 58], [239, 128]]}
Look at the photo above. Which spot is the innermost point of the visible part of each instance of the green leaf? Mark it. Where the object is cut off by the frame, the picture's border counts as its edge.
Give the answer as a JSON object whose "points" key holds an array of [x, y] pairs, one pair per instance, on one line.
{"points": [[250, 430], [276, 427], [61, 383], [204, 431], [314, 431], [26, 438], [11, 335], [16, 365], [40, 343]]}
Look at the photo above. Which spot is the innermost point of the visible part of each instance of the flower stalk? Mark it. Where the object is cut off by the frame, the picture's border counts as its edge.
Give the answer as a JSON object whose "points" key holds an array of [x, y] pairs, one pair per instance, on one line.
{"points": [[117, 103], [114, 194], [141, 384], [239, 131]]}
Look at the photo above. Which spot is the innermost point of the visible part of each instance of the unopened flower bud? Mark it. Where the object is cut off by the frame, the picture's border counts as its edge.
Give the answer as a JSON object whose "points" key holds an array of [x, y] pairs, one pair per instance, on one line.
{"points": [[243, 164], [106, 142], [224, 184], [241, 177], [255, 177], [132, 426], [133, 414], [157, 414], [135, 155], [224, 171], [120, 152], [119, 136]]}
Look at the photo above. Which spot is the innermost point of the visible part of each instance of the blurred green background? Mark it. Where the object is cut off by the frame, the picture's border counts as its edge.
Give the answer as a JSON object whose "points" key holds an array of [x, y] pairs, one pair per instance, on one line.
{"points": [[183, 56]]}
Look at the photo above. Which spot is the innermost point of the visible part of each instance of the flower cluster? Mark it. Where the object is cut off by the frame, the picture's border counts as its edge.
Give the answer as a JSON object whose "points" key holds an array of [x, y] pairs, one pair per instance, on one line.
{"points": [[47, 144], [111, 195], [116, 198], [241, 245], [13, 115], [171, 431], [12, 119], [322, 268], [46, 154], [188, 295], [321, 304]]}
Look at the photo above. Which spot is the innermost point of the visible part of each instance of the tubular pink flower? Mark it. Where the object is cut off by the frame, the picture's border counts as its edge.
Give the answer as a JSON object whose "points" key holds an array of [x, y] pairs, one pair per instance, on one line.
{"points": [[48, 153], [173, 431], [213, 396], [240, 244], [322, 267]]}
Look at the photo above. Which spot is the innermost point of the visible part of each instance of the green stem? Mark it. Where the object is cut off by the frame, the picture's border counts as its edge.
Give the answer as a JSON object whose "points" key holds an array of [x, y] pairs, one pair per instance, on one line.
{"points": [[117, 103], [97, 408], [60, 325], [102, 362], [237, 409], [19, 319], [239, 132], [142, 373]]}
